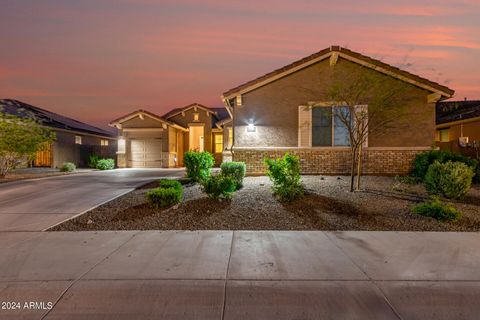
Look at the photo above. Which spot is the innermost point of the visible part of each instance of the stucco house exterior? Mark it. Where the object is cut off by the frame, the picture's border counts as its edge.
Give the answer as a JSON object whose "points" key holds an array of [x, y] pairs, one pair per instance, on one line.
{"points": [[270, 118], [75, 141], [147, 140], [458, 126]]}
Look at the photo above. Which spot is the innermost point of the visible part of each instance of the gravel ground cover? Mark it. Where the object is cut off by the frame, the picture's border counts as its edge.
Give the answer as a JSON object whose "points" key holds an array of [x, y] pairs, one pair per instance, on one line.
{"points": [[384, 204]]}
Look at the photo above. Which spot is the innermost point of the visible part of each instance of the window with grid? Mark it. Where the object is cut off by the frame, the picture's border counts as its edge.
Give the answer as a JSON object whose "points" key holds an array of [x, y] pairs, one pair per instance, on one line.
{"points": [[327, 128], [218, 143]]}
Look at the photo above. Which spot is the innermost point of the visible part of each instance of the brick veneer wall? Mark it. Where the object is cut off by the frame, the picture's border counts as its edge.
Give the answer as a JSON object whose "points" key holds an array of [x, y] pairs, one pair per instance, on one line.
{"points": [[332, 162]]}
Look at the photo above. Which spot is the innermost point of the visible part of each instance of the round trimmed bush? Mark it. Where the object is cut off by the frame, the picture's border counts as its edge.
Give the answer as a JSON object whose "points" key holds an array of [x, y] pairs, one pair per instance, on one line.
{"points": [[166, 183], [105, 164], [219, 186], [68, 167], [235, 170], [198, 165], [451, 179]]}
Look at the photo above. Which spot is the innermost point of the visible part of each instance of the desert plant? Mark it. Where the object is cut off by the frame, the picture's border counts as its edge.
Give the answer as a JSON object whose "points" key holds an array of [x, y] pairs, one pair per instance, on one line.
{"points": [[198, 165], [105, 164], [285, 175], [68, 167], [438, 210], [423, 161], [236, 170], [92, 161], [164, 197], [20, 139], [219, 186], [450, 179]]}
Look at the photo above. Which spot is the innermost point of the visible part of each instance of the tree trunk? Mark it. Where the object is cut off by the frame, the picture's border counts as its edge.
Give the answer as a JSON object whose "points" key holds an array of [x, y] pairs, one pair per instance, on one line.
{"points": [[359, 167], [352, 169]]}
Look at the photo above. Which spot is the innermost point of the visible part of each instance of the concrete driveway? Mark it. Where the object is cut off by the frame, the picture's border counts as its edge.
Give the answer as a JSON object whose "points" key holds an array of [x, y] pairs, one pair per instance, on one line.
{"points": [[34, 205], [241, 275]]}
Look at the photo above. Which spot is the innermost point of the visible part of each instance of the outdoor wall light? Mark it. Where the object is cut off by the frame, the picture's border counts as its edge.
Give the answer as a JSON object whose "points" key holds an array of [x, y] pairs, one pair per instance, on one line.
{"points": [[251, 127]]}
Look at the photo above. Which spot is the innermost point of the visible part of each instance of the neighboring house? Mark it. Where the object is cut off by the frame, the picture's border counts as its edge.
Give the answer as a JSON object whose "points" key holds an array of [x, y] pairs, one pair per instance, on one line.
{"points": [[458, 126], [282, 112], [147, 140], [75, 140]]}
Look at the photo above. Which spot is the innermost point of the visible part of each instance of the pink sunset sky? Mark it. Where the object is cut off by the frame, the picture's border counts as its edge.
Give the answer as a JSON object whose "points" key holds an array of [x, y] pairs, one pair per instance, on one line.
{"points": [[97, 60]]}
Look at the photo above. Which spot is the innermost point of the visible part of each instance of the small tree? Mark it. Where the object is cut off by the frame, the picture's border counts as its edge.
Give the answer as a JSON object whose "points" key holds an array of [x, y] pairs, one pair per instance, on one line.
{"points": [[20, 139], [372, 103]]}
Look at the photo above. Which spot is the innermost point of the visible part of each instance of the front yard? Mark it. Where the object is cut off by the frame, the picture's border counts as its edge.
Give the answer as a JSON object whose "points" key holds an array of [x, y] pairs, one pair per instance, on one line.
{"points": [[385, 204]]}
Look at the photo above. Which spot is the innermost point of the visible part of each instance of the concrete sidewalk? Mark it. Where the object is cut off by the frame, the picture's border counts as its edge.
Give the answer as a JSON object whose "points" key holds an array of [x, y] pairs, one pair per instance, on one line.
{"points": [[241, 275]]}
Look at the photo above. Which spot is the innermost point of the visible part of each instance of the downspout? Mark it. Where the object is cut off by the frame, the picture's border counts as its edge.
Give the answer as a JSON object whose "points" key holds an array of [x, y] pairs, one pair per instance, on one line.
{"points": [[227, 102]]}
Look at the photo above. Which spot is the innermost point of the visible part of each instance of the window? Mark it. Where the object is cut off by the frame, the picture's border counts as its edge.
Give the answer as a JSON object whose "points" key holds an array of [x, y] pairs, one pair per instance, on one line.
{"points": [[218, 143], [444, 135], [327, 128], [230, 137], [104, 142], [195, 117], [78, 139]]}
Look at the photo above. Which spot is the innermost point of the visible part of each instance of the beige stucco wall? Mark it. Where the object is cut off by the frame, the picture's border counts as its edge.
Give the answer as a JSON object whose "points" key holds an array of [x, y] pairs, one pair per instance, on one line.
{"points": [[203, 117], [274, 111]]}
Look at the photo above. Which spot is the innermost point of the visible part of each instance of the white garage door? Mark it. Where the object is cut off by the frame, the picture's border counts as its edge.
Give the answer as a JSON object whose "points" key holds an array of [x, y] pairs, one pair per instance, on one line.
{"points": [[146, 153]]}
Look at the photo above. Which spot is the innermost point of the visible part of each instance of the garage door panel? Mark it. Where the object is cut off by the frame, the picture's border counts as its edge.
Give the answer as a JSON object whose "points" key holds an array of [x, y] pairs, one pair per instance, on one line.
{"points": [[146, 153]]}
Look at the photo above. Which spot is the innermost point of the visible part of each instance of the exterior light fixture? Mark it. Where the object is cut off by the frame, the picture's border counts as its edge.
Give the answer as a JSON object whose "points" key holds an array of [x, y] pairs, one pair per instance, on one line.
{"points": [[251, 127]]}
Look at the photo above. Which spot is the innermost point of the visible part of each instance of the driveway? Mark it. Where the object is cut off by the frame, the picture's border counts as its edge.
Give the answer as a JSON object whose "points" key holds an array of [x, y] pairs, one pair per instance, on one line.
{"points": [[34, 205], [240, 275]]}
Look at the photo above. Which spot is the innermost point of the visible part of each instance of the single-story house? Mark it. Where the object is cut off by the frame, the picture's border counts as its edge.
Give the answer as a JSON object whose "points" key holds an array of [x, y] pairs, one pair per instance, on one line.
{"points": [[75, 140], [147, 140], [270, 117], [458, 126]]}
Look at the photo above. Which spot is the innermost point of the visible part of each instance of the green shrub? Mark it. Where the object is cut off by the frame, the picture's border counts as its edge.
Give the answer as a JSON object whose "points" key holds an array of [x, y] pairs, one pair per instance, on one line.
{"points": [[451, 179], [218, 186], [285, 175], [235, 170], [198, 165], [105, 164], [425, 159], [438, 210], [166, 183], [164, 197], [92, 161], [68, 167]]}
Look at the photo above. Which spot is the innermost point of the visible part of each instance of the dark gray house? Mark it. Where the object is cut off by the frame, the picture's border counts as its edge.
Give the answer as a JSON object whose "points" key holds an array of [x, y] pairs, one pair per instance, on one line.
{"points": [[75, 140]]}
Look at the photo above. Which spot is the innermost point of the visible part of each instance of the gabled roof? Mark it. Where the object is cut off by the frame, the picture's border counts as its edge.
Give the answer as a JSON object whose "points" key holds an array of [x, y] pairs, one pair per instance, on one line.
{"points": [[176, 111], [141, 112], [346, 54], [451, 111], [48, 118], [219, 114]]}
